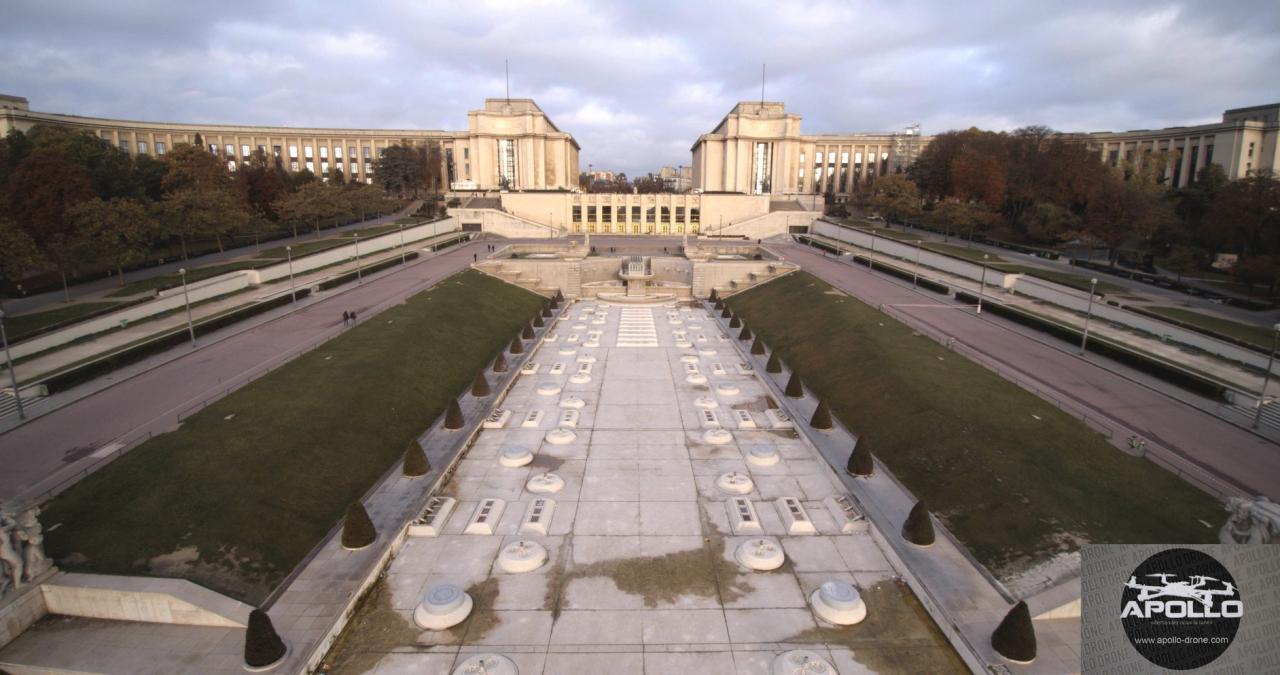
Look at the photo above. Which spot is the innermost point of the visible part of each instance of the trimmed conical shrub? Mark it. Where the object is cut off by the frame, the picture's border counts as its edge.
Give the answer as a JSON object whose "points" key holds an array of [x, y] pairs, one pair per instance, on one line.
{"points": [[517, 347], [527, 332], [415, 461], [745, 334], [546, 311], [735, 322], [1015, 637], [795, 388], [559, 296], [357, 529], [262, 644], [757, 347], [480, 386], [774, 365], [860, 461], [719, 304], [918, 529], [553, 304], [821, 417], [714, 297], [726, 313], [537, 321], [500, 364], [453, 417]]}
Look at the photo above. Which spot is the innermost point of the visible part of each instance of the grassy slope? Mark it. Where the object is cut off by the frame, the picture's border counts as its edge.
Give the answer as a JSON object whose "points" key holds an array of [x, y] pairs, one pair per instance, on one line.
{"points": [[19, 327], [1010, 486], [193, 275], [1260, 336], [303, 443]]}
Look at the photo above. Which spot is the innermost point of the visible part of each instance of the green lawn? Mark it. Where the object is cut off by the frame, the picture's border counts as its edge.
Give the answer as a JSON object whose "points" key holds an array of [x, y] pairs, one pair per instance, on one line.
{"points": [[255, 480], [1012, 476], [197, 274], [1259, 336], [303, 248], [22, 326]]}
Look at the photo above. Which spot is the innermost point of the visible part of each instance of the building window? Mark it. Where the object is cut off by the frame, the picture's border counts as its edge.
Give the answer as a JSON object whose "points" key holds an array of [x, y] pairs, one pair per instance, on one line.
{"points": [[293, 166], [694, 215], [307, 152], [1250, 155], [213, 148], [337, 152], [262, 150], [466, 153], [324, 152], [124, 145], [351, 151], [324, 169], [679, 214], [760, 174], [311, 166], [160, 149], [275, 151], [606, 214], [244, 151], [367, 153], [507, 163], [1191, 172], [666, 214], [635, 214], [577, 214], [1208, 154], [142, 147], [1113, 158], [844, 172], [591, 214], [293, 153], [230, 149], [355, 168], [231, 165]]}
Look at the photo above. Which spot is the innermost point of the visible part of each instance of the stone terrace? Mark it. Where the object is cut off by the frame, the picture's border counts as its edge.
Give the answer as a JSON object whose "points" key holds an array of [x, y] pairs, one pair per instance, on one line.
{"points": [[641, 575]]}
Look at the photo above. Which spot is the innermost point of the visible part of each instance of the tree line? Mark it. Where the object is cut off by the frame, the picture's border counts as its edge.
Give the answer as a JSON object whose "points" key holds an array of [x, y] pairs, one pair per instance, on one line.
{"points": [[72, 203], [1037, 187]]}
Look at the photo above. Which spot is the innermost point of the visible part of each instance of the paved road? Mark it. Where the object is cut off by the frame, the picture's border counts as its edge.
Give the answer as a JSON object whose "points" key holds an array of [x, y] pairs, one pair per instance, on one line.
{"points": [[1230, 451], [60, 443]]}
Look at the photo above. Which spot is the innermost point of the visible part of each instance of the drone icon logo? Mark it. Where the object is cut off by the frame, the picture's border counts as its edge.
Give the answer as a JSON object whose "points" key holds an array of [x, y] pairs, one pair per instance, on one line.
{"points": [[1181, 609]]}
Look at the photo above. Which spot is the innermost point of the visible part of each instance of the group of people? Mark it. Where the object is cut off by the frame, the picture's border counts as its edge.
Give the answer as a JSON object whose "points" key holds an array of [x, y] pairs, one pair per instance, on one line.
{"points": [[22, 556], [348, 318]]}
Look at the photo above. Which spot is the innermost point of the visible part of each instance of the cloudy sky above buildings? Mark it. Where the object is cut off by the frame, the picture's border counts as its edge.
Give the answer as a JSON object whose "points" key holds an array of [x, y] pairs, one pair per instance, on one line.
{"points": [[637, 82]]}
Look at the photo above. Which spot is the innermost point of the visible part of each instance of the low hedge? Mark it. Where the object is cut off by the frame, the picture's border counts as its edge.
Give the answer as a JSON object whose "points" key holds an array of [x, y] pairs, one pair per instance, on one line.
{"points": [[1197, 328], [1136, 360], [353, 275], [818, 245], [44, 330], [903, 274], [98, 367]]}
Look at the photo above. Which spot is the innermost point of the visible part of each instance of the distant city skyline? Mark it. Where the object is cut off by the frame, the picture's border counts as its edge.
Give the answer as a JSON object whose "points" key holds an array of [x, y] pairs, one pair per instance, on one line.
{"points": [[637, 84]]}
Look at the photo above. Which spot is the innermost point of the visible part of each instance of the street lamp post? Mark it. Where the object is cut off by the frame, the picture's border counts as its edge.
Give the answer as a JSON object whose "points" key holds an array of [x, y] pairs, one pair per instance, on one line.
{"points": [[915, 273], [1266, 377], [359, 279], [13, 376], [982, 285], [1084, 339], [401, 243], [551, 226], [293, 291], [186, 298], [871, 260]]}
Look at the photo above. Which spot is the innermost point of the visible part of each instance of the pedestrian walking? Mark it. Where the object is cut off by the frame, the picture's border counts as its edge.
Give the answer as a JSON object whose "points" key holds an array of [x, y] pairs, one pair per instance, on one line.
{"points": [[353, 317], [346, 318], [475, 258]]}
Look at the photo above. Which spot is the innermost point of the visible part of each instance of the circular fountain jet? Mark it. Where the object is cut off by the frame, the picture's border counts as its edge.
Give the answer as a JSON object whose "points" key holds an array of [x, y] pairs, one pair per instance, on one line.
{"points": [[487, 664], [548, 389], [706, 402], [727, 389], [695, 378], [838, 602], [573, 402], [801, 662], [442, 606], [735, 483], [560, 436], [522, 556], [762, 455], [761, 554], [717, 436], [545, 483], [514, 457]]}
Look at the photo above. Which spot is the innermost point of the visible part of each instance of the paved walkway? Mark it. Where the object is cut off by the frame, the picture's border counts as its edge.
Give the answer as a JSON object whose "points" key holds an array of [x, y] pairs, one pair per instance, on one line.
{"points": [[1125, 402], [60, 444]]}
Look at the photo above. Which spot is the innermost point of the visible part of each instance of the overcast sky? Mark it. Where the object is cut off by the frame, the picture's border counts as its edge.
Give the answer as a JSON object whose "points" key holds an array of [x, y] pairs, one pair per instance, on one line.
{"points": [[637, 82]]}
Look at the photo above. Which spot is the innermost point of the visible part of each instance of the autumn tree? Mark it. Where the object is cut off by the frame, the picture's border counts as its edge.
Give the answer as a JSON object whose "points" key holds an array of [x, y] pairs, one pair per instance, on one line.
{"points": [[309, 204], [19, 254], [262, 184], [1122, 212], [41, 189], [895, 197], [116, 231], [192, 213]]}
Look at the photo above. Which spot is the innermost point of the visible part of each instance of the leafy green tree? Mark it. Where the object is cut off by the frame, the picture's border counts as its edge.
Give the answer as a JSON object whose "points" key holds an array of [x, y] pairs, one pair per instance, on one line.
{"points": [[193, 213], [968, 217], [118, 231], [1184, 259], [896, 198], [262, 183], [41, 189], [19, 254], [1048, 223], [1124, 212], [312, 201]]}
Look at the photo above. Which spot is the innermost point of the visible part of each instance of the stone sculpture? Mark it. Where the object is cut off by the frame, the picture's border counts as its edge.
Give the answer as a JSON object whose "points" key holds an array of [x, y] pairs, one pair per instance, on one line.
{"points": [[22, 557], [1252, 521]]}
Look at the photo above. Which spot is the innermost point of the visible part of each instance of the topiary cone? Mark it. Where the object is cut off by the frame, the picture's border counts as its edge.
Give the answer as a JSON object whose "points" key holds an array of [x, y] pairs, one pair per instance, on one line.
{"points": [[516, 346], [559, 296], [500, 364], [860, 460], [745, 334], [262, 644], [757, 347], [918, 528], [527, 332], [714, 297], [821, 417], [546, 311], [1015, 637], [453, 417], [719, 304], [480, 386], [357, 529], [774, 365], [726, 313], [537, 321], [735, 322], [554, 304], [795, 388], [415, 461]]}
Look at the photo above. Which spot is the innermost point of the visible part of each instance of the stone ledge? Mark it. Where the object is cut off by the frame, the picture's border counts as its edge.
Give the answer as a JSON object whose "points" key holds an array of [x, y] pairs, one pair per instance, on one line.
{"points": [[146, 599]]}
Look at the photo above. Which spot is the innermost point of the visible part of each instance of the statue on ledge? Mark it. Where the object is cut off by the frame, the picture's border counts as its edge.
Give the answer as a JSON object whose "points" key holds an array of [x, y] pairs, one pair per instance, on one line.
{"points": [[22, 558], [1252, 521]]}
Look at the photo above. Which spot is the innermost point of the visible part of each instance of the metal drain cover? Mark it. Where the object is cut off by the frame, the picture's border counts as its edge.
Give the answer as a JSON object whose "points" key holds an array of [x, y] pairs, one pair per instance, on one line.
{"points": [[838, 602], [735, 483], [522, 556], [761, 554], [442, 606], [487, 664], [801, 662], [545, 483]]}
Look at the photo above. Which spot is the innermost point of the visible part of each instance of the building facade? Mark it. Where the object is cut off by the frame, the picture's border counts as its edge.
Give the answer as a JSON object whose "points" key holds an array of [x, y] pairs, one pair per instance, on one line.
{"points": [[1243, 144], [758, 149], [509, 144]]}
